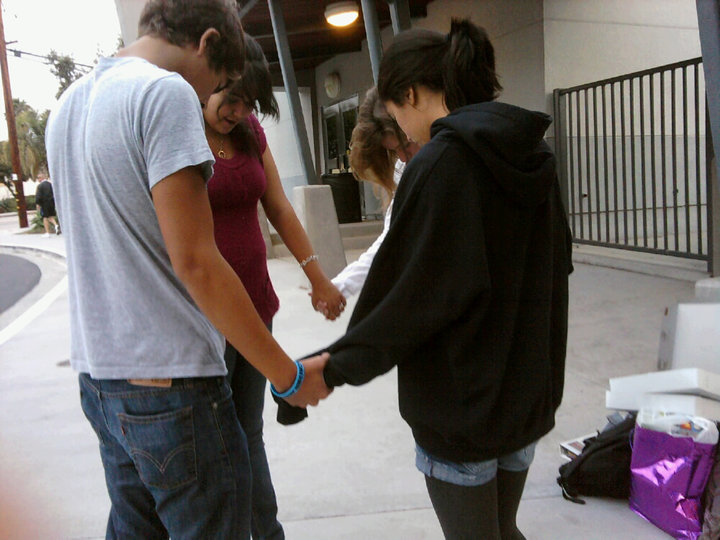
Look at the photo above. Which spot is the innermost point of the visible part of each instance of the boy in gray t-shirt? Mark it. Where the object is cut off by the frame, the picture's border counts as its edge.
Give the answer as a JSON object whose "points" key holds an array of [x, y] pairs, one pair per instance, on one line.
{"points": [[150, 294]]}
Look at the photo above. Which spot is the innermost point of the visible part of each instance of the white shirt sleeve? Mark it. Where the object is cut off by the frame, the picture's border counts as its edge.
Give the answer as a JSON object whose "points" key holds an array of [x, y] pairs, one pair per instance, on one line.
{"points": [[352, 278]]}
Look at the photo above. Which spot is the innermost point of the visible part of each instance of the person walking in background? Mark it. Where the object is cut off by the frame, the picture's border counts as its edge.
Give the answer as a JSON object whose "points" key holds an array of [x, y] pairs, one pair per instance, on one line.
{"points": [[45, 203], [150, 294], [468, 293], [244, 174], [379, 151]]}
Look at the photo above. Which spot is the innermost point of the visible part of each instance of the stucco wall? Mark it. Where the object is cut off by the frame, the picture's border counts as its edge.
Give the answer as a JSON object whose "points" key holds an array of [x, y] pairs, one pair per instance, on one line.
{"points": [[516, 31], [589, 40], [281, 140]]}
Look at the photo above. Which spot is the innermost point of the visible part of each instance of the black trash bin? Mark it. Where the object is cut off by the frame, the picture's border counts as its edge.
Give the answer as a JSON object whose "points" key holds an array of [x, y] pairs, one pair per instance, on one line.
{"points": [[346, 196]]}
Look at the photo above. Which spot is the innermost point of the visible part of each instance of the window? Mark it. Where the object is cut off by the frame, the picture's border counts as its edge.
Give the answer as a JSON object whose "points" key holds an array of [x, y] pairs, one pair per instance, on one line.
{"points": [[338, 122]]}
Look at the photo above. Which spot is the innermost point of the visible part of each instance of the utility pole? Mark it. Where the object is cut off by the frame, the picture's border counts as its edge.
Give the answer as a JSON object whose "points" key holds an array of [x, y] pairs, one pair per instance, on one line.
{"points": [[12, 131]]}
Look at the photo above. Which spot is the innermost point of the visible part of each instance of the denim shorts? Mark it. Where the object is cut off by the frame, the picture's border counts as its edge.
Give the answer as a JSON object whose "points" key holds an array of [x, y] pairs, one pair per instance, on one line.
{"points": [[474, 473]]}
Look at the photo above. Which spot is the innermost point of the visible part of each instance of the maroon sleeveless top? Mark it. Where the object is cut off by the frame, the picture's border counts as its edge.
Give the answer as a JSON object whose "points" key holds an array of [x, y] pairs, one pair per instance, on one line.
{"points": [[234, 190]]}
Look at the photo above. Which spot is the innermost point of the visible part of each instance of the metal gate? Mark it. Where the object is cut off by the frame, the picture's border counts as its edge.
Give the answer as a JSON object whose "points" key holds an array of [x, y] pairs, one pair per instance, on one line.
{"points": [[633, 155]]}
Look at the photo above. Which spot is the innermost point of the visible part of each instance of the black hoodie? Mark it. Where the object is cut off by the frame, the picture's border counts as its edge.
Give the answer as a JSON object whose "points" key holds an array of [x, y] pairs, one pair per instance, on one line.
{"points": [[468, 292]]}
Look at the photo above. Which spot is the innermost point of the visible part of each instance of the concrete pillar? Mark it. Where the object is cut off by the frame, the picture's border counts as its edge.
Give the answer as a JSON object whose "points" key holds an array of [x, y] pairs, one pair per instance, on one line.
{"points": [[315, 208], [714, 209], [708, 12], [288, 73], [372, 32], [399, 15]]}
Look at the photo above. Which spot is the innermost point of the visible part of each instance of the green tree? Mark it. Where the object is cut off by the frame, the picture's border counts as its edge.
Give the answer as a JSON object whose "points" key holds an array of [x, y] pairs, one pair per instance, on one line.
{"points": [[6, 169], [30, 126], [19, 106], [64, 68], [31, 141]]}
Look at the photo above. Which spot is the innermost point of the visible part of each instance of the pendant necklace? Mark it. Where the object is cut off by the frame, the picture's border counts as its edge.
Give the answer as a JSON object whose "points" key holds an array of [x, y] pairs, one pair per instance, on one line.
{"points": [[221, 145], [221, 151]]}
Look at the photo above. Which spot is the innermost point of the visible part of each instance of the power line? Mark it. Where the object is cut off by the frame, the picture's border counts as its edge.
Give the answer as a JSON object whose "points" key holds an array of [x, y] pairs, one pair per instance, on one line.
{"points": [[18, 53]]}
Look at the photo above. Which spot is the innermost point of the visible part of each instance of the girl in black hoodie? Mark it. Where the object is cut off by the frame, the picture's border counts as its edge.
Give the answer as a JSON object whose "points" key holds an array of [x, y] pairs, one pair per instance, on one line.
{"points": [[468, 293]]}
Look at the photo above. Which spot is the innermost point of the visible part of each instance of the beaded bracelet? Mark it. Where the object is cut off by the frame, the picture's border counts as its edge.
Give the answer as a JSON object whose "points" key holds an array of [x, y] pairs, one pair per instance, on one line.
{"points": [[308, 260], [295, 385]]}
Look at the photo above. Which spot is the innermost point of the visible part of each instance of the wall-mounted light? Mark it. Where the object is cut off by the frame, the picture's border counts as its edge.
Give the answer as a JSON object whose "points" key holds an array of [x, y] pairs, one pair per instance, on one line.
{"points": [[341, 13], [332, 84]]}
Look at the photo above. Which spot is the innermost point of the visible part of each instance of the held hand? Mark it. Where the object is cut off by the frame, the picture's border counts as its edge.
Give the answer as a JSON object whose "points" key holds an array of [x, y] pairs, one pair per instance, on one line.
{"points": [[313, 388], [327, 299]]}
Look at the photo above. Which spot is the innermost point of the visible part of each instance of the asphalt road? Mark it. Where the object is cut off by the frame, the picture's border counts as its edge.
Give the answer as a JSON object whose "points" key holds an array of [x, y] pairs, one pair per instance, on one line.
{"points": [[18, 277]]}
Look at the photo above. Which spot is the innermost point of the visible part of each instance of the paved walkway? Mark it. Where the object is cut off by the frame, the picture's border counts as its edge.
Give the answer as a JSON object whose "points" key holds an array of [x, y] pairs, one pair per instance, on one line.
{"points": [[345, 473]]}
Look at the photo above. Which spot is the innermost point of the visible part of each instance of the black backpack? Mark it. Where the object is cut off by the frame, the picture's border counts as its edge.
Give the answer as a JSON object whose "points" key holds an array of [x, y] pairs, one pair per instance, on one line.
{"points": [[603, 466]]}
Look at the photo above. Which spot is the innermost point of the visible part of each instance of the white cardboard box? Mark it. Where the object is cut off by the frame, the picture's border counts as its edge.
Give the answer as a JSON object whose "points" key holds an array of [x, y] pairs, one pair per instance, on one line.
{"points": [[669, 403], [690, 337], [693, 381]]}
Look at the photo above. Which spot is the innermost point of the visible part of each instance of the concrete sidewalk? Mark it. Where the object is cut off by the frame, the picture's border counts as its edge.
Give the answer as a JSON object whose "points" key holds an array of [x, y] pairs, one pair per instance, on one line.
{"points": [[348, 471]]}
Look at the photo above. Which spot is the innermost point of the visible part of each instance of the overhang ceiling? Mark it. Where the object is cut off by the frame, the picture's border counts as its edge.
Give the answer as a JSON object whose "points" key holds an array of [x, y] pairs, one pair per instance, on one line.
{"points": [[311, 39]]}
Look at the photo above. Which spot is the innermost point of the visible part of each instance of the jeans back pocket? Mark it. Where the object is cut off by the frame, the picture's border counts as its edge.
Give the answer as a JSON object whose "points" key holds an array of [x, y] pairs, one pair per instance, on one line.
{"points": [[162, 447]]}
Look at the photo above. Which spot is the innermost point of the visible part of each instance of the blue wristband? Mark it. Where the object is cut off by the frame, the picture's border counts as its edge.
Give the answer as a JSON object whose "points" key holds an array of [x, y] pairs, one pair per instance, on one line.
{"points": [[295, 385]]}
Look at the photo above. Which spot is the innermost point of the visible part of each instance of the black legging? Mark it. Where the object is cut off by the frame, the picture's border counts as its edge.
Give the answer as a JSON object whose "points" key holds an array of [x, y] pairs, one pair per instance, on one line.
{"points": [[485, 512]]}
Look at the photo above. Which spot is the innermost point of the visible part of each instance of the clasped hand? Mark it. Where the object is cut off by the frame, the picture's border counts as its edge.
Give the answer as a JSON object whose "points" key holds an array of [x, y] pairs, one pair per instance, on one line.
{"points": [[328, 300], [313, 387]]}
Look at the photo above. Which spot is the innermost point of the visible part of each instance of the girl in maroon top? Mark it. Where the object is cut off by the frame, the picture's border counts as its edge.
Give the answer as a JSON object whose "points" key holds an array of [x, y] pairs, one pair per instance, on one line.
{"points": [[245, 173]]}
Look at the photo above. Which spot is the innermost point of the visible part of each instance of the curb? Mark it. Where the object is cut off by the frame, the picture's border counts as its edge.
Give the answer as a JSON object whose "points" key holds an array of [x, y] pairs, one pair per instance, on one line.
{"points": [[640, 263], [38, 251]]}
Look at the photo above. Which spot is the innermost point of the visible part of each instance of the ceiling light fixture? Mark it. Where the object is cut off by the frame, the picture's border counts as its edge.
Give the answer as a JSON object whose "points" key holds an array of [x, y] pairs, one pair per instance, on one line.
{"points": [[341, 13]]}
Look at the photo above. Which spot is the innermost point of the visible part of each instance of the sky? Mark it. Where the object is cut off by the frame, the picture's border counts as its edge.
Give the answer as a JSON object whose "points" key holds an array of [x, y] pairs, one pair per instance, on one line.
{"points": [[79, 28]]}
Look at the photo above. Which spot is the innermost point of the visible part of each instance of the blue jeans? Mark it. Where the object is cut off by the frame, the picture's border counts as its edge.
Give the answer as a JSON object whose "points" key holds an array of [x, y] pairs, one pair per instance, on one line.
{"points": [[474, 473], [248, 388], [175, 459]]}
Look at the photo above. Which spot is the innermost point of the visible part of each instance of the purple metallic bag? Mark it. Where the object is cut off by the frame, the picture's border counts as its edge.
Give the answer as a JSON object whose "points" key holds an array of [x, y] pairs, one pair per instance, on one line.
{"points": [[668, 476]]}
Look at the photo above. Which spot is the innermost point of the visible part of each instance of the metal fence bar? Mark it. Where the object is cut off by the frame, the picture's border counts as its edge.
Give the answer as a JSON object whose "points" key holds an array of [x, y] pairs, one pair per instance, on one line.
{"points": [[614, 164], [597, 165], [686, 157], [673, 131], [605, 166], [663, 150], [571, 167], [579, 148], [698, 177], [624, 164], [588, 173], [643, 185], [653, 183], [633, 179]]}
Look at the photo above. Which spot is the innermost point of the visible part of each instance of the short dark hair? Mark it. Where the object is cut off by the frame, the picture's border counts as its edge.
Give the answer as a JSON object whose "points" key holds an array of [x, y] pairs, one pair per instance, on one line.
{"points": [[183, 22], [254, 86], [460, 64]]}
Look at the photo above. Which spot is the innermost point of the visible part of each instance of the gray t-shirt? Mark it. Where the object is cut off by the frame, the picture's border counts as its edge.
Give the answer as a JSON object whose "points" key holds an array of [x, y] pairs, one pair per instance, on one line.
{"points": [[114, 134]]}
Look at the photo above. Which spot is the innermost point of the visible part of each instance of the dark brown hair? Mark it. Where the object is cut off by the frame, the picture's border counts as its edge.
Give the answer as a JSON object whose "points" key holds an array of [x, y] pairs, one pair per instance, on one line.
{"points": [[460, 64], [254, 88], [183, 22]]}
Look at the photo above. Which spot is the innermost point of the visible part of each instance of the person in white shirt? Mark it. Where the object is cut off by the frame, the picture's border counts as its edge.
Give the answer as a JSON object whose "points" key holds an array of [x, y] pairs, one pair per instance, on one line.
{"points": [[378, 153]]}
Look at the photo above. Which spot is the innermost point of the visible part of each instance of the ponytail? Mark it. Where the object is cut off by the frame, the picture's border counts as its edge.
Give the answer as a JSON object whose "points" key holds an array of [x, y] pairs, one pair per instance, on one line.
{"points": [[469, 66], [461, 65]]}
